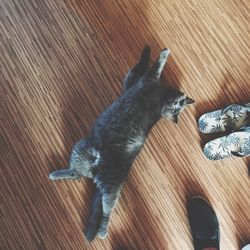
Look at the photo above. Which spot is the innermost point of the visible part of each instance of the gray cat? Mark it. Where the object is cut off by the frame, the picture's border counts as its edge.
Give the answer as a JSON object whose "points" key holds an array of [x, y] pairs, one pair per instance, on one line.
{"points": [[107, 153]]}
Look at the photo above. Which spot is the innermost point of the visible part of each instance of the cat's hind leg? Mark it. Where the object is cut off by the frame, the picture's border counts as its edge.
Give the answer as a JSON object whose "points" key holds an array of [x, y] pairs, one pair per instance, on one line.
{"points": [[84, 160], [108, 203], [134, 74]]}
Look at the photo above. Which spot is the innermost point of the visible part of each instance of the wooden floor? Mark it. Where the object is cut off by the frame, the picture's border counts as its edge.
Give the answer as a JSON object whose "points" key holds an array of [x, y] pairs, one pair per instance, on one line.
{"points": [[62, 63]]}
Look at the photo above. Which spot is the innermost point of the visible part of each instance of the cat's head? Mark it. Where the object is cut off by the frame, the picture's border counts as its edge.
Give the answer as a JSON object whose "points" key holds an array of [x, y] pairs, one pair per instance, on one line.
{"points": [[175, 105]]}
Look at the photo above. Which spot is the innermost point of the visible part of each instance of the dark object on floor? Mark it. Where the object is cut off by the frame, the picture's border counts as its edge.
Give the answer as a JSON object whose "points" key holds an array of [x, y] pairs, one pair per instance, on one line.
{"points": [[204, 224]]}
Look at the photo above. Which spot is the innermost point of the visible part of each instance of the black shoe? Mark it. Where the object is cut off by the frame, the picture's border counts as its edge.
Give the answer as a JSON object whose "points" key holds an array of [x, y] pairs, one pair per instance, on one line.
{"points": [[204, 224]]}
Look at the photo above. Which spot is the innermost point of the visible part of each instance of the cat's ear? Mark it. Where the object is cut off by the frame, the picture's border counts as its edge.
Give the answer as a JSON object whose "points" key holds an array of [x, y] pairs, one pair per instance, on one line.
{"points": [[175, 119], [189, 100]]}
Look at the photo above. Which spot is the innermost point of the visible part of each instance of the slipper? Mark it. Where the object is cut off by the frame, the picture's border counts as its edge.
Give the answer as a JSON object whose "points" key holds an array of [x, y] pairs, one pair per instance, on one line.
{"points": [[234, 144], [231, 118]]}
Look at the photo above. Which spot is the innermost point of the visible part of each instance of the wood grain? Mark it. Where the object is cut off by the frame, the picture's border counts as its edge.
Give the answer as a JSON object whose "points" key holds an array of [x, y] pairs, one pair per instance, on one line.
{"points": [[62, 63]]}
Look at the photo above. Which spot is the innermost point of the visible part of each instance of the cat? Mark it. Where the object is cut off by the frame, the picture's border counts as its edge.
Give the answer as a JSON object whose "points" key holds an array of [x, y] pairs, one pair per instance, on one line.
{"points": [[107, 153]]}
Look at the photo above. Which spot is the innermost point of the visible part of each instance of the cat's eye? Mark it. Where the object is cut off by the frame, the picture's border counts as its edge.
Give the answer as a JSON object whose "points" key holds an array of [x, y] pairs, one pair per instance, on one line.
{"points": [[182, 102]]}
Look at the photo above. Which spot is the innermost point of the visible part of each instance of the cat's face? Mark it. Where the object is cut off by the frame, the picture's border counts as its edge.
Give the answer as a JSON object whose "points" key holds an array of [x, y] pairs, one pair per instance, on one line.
{"points": [[174, 106]]}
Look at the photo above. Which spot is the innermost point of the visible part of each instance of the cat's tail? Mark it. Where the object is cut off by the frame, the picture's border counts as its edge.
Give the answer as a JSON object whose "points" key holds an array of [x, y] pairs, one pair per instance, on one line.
{"points": [[95, 217]]}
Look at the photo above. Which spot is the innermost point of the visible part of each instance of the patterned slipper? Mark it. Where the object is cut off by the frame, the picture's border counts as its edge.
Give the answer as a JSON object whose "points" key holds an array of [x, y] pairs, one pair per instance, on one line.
{"points": [[235, 144], [231, 118]]}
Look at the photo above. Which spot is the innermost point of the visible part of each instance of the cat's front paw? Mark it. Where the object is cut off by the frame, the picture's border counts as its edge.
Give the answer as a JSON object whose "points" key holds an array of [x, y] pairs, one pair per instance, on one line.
{"points": [[53, 175], [102, 234]]}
